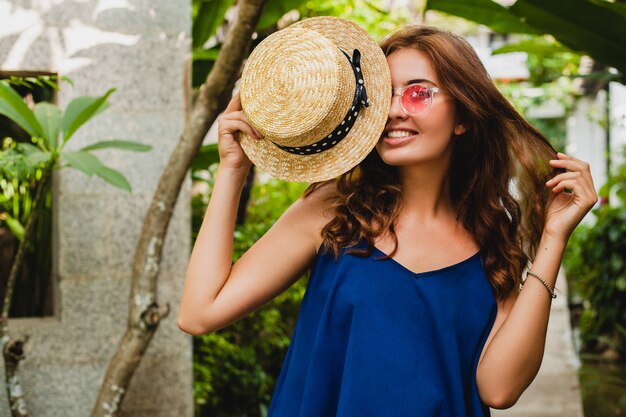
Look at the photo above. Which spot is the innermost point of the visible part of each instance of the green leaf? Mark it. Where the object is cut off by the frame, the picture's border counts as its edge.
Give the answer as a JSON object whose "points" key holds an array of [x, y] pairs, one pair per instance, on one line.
{"points": [[113, 177], [485, 12], [27, 148], [83, 161], [376, 8], [205, 54], [90, 165], [15, 226], [49, 117], [37, 158], [13, 106], [599, 76], [51, 82], [595, 27], [118, 144], [209, 16], [14, 165], [207, 155], [274, 10], [532, 46], [203, 60], [67, 80], [80, 110]]}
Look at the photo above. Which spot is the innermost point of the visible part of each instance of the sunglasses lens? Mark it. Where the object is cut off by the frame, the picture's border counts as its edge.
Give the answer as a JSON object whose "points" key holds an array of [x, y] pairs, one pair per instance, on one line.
{"points": [[416, 99]]}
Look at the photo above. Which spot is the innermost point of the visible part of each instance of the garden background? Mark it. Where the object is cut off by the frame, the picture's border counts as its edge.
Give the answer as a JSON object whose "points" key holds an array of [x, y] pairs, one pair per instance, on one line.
{"points": [[102, 191]]}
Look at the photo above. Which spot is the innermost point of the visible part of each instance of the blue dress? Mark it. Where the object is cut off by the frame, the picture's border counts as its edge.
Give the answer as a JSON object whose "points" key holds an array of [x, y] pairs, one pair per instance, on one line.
{"points": [[374, 339]]}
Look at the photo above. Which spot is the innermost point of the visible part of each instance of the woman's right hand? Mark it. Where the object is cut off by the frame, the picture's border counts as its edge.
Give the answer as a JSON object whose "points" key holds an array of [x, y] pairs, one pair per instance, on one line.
{"points": [[229, 123]]}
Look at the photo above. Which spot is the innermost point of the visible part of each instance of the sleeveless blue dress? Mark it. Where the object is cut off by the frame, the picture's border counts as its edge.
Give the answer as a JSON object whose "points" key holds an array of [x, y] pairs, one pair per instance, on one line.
{"points": [[374, 339]]}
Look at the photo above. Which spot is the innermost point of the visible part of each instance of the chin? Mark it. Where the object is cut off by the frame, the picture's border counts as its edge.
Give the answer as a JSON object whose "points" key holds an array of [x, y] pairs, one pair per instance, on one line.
{"points": [[401, 157], [414, 153]]}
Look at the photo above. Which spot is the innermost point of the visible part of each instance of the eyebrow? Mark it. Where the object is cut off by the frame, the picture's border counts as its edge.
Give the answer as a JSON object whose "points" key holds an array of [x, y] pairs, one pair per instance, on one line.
{"points": [[418, 80]]}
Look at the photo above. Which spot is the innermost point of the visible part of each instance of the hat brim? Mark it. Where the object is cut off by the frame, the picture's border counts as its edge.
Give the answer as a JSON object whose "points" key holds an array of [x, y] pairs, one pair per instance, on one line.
{"points": [[367, 129]]}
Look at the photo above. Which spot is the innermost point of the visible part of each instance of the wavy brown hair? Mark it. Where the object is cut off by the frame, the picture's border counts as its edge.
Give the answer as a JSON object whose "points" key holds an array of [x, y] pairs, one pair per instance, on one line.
{"points": [[496, 177]]}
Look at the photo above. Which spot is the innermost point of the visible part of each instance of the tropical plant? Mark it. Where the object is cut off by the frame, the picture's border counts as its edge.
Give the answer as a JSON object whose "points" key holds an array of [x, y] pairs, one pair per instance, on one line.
{"points": [[595, 263], [209, 15], [603, 387], [596, 258], [50, 129], [375, 16], [593, 27]]}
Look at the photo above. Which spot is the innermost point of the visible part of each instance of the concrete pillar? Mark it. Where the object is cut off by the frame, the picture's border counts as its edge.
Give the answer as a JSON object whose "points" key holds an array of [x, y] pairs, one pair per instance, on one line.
{"points": [[618, 123], [586, 137], [140, 47]]}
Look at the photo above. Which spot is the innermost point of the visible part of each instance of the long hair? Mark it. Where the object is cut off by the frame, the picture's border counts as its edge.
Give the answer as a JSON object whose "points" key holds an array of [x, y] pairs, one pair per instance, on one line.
{"points": [[497, 174]]}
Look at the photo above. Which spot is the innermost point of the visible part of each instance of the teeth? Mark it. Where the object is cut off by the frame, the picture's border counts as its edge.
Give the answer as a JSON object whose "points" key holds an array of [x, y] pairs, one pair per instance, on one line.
{"points": [[399, 133]]}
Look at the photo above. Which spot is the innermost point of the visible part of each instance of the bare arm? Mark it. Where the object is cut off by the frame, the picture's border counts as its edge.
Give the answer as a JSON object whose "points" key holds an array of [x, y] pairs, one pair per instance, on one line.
{"points": [[512, 355], [210, 262], [215, 293]]}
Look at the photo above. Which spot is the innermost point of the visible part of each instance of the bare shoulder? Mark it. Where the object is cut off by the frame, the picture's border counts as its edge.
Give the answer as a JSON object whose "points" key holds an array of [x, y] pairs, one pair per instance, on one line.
{"points": [[275, 261], [313, 211], [322, 196]]}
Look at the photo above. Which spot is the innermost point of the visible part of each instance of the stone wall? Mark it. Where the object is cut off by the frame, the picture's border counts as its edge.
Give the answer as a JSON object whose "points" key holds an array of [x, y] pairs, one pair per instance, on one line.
{"points": [[140, 47]]}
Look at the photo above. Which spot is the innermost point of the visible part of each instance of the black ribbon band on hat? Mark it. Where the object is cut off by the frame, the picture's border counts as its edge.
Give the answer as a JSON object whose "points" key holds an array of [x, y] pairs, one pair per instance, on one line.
{"points": [[341, 131]]}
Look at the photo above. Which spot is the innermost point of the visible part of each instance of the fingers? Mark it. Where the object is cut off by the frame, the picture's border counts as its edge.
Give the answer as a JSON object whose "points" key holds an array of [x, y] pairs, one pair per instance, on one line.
{"points": [[574, 181], [233, 119], [569, 162], [577, 178], [231, 122], [573, 165], [564, 176], [565, 185], [234, 104]]}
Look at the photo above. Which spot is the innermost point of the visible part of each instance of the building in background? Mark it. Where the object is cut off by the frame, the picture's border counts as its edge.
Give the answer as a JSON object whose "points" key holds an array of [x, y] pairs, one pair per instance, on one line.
{"points": [[140, 48]]}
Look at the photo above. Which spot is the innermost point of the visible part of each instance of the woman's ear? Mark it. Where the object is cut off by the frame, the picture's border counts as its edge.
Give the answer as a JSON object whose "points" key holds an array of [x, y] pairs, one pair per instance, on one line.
{"points": [[459, 129]]}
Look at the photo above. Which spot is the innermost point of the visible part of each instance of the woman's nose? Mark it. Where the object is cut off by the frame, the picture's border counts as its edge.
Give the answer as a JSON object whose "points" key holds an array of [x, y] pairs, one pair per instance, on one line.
{"points": [[396, 111]]}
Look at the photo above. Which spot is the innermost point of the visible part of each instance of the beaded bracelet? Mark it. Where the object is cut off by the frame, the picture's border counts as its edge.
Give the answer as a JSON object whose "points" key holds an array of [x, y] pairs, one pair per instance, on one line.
{"points": [[545, 284]]}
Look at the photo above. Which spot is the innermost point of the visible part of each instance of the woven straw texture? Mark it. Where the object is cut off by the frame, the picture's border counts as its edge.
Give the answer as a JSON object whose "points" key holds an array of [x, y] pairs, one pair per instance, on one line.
{"points": [[296, 88]]}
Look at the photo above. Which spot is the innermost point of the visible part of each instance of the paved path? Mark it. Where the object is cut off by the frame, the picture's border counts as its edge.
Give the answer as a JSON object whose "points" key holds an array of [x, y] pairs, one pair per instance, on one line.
{"points": [[555, 391]]}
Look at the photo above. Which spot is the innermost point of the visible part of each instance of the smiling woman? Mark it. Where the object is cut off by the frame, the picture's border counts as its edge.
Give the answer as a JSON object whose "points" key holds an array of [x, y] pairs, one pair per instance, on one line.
{"points": [[414, 305]]}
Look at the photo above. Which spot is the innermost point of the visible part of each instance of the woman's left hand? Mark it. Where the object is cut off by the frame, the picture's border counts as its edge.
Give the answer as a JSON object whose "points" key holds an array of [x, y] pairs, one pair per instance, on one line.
{"points": [[566, 209]]}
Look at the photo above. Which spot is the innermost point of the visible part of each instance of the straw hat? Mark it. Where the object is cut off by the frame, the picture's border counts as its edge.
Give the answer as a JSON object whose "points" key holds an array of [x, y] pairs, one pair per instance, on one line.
{"points": [[319, 92]]}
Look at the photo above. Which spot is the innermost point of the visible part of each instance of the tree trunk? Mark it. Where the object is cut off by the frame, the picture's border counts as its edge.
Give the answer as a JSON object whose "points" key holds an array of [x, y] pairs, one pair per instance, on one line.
{"points": [[144, 311]]}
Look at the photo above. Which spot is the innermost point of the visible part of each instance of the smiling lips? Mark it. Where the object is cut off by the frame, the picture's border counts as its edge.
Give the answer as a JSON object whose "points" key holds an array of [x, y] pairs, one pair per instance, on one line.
{"points": [[399, 136]]}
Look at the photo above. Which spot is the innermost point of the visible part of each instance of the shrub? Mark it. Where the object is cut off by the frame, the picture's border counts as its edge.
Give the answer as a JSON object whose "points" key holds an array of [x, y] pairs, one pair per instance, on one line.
{"points": [[595, 261]]}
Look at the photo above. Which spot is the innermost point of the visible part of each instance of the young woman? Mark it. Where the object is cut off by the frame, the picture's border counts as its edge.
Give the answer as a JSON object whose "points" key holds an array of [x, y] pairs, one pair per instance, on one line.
{"points": [[415, 304]]}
